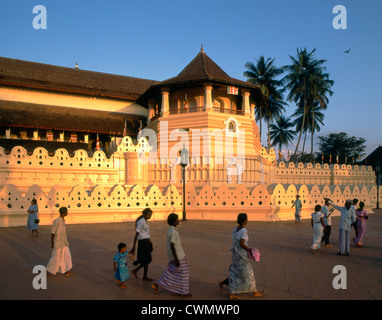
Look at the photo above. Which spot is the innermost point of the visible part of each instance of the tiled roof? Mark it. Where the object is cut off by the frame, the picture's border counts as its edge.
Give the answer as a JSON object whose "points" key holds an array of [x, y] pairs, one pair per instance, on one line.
{"points": [[203, 68], [39, 76]]}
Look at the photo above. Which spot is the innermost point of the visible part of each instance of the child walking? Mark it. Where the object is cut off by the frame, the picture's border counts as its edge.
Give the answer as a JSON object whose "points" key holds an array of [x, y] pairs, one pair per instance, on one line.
{"points": [[120, 265]]}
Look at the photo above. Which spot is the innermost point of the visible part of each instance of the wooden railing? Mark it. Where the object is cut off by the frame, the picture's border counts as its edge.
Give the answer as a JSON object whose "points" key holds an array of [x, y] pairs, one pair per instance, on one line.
{"points": [[186, 110], [229, 111], [201, 109]]}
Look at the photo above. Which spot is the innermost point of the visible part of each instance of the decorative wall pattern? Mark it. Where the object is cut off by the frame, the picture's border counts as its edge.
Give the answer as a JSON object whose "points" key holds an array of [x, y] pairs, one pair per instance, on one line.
{"points": [[23, 170], [100, 189], [321, 174], [267, 203]]}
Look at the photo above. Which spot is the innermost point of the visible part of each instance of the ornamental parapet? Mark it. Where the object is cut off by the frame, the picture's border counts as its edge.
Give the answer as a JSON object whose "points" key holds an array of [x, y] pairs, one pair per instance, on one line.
{"points": [[321, 174]]}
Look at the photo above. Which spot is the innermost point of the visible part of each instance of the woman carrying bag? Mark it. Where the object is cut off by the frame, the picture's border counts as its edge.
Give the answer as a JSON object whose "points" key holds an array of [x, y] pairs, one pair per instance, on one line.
{"points": [[241, 276], [33, 220]]}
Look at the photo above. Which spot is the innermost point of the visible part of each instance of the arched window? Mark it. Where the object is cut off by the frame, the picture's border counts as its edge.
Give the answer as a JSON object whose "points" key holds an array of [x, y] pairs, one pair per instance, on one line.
{"points": [[232, 127]]}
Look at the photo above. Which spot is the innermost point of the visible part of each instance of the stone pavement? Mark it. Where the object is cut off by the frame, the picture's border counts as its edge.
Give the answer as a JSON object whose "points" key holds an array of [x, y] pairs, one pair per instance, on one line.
{"points": [[287, 269]]}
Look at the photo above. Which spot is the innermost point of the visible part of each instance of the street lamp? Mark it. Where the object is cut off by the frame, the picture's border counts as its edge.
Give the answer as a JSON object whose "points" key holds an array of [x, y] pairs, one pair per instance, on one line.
{"points": [[377, 173], [184, 163]]}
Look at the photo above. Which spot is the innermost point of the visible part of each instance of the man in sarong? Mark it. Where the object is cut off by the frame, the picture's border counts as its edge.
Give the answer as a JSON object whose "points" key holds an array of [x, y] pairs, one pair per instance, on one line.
{"points": [[298, 206], [347, 219], [176, 277], [61, 259]]}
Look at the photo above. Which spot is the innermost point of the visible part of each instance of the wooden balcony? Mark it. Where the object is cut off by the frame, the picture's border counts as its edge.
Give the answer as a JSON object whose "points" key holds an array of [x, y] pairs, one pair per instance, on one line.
{"points": [[200, 109]]}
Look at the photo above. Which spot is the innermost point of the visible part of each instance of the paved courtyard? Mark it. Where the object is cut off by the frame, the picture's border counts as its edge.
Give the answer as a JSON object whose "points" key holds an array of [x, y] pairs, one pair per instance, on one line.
{"points": [[287, 269]]}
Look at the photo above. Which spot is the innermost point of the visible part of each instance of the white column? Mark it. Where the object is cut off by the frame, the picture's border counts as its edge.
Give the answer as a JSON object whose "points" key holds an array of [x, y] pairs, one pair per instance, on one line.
{"points": [[165, 102], [246, 106], [208, 97], [151, 110]]}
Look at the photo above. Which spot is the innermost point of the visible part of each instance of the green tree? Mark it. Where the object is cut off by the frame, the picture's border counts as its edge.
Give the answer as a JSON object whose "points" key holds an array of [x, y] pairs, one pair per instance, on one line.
{"points": [[281, 132], [307, 83], [318, 101], [341, 145], [264, 73], [314, 121], [274, 112]]}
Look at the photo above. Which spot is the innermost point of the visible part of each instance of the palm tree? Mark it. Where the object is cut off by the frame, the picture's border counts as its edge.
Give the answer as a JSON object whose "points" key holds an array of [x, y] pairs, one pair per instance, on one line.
{"points": [[264, 74], [319, 101], [307, 83], [314, 121], [281, 132], [275, 111]]}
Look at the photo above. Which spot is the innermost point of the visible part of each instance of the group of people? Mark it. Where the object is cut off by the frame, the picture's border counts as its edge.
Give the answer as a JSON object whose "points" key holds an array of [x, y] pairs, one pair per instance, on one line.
{"points": [[351, 217], [176, 276], [60, 260]]}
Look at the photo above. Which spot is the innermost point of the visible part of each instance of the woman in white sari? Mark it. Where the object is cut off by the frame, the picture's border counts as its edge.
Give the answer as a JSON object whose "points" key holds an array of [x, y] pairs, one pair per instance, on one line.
{"points": [[318, 228], [241, 276]]}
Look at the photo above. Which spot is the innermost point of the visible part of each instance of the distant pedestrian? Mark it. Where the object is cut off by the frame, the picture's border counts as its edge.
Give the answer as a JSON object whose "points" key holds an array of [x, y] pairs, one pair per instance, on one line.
{"points": [[145, 246], [61, 259], [318, 228], [328, 222], [241, 276], [298, 206], [33, 219], [120, 265], [347, 219], [176, 277], [361, 217], [354, 225]]}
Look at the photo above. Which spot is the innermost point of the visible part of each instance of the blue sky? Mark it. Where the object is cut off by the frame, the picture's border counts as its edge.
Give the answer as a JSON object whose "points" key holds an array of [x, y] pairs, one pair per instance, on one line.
{"points": [[156, 39]]}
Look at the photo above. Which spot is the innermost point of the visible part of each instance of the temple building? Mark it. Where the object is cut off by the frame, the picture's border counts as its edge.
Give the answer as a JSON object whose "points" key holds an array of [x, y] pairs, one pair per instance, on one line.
{"points": [[107, 146], [57, 107], [214, 113]]}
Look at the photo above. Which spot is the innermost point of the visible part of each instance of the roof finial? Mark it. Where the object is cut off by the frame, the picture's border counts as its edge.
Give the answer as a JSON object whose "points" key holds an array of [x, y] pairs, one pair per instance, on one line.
{"points": [[201, 49], [76, 66]]}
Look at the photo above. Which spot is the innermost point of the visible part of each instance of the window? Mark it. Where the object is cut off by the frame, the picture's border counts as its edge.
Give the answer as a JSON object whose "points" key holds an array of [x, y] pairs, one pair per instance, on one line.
{"points": [[232, 127]]}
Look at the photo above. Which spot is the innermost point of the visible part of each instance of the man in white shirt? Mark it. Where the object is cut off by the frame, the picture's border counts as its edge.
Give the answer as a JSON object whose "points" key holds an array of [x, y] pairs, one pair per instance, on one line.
{"points": [[61, 260], [145, 246], [328, 222], [347, 219], [298, 206], [176, 277]]}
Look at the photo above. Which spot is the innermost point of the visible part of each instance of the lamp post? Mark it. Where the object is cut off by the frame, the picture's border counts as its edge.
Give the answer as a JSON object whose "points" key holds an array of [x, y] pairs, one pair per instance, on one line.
{"points": [[377, 172], [184, 163]]}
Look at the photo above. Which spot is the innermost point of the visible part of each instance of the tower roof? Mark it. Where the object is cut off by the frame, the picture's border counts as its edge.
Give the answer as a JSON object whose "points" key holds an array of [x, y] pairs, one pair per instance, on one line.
{"points": [[201, 69]]}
